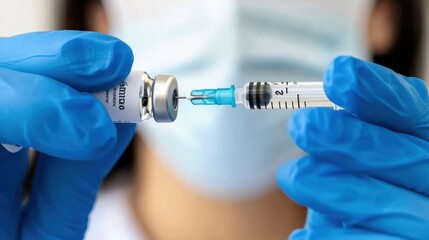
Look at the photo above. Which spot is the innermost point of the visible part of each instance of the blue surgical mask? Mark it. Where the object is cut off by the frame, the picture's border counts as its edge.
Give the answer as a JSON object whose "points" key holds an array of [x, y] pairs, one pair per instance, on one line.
{"points": [[219, 151]]}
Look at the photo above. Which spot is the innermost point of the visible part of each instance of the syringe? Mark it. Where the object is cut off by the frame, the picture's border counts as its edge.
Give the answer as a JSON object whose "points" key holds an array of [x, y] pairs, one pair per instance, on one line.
{"points": [[265, 95]]}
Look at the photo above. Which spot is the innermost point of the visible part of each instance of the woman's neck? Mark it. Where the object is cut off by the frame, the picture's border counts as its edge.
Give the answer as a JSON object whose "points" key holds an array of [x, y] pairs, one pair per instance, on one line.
{"points": [[167, 209]]}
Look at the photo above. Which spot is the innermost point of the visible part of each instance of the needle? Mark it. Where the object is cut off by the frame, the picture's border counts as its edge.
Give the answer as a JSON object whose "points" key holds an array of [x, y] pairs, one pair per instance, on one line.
{"points": [[190, 97], [177, 97]]}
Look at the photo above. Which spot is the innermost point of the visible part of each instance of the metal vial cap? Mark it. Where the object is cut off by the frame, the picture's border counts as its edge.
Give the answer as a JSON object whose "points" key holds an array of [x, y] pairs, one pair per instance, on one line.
{"points": [[164, 101]]}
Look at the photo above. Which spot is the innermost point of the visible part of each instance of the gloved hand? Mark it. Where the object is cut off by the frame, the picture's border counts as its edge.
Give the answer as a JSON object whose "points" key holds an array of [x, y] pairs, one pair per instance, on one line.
{"points": [[366, 173], [43, 80]]}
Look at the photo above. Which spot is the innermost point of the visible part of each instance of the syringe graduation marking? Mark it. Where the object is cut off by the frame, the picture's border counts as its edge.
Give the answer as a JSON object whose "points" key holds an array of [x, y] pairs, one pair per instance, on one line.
{"points": [[297, 98]]}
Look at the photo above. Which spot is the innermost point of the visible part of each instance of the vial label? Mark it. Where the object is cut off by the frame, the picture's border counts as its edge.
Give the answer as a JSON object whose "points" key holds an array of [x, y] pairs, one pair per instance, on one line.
{"points": [[123, 102]]}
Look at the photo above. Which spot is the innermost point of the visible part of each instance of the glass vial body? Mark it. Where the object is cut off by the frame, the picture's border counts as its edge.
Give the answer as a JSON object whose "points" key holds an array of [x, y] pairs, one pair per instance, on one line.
{"points": [[139, 98]]}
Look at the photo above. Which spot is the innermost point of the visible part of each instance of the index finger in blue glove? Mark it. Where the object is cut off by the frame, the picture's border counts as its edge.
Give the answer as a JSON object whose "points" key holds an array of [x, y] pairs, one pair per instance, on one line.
{"points": [[358, 201], [52, 117], [379, 95], [362, 147], [86, 61]]}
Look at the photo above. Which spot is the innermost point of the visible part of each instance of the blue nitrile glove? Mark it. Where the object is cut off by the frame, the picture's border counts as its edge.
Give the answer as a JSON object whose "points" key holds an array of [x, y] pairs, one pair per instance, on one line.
{"points": [[367, 169], [43, 77]]}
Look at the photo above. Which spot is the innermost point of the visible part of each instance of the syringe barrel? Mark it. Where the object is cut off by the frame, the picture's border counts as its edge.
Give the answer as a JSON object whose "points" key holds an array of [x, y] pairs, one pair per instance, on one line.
{"points": [[285, 95]]}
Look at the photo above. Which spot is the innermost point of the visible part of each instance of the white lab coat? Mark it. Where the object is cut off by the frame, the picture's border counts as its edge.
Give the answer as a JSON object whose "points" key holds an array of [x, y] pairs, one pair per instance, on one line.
{"points": [[112, 217]]}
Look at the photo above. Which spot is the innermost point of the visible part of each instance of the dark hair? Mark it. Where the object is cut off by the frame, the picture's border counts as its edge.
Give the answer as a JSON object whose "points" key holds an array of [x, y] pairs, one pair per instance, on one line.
{"points": [[75, 14], [403, 56]]}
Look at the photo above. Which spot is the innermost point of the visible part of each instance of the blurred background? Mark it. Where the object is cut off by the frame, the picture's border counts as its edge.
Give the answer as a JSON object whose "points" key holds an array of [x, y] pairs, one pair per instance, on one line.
{"points": [[40, 15], [406, 53]]}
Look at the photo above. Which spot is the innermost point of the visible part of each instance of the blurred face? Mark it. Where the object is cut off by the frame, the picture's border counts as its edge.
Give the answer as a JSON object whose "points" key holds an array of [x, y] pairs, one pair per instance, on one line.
{"points": [[227, 42], [217, 164], [217, 152], [382, 27], [222, 42]]}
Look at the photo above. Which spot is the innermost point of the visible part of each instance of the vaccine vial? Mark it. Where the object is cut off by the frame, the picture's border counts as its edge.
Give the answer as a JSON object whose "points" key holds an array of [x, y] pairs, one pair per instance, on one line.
{"points": [[139, 98]]}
